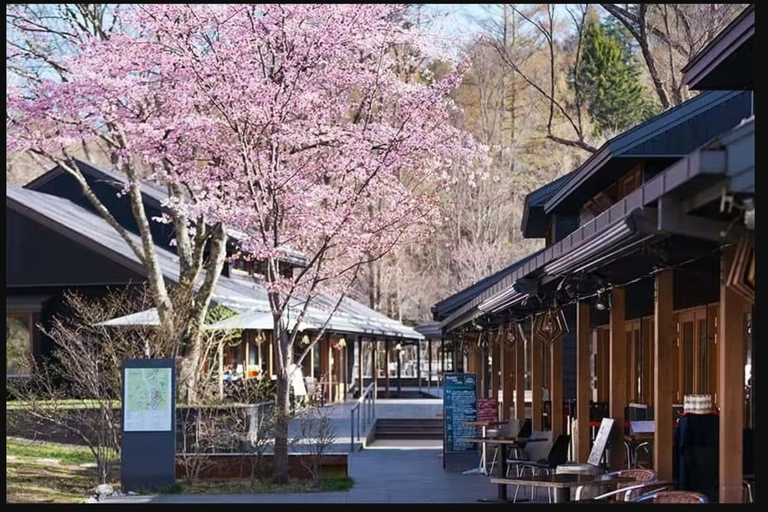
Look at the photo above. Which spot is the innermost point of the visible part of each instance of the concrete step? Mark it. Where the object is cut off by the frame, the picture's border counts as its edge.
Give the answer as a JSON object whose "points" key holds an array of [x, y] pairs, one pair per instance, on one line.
{"points": [[406, 428]]}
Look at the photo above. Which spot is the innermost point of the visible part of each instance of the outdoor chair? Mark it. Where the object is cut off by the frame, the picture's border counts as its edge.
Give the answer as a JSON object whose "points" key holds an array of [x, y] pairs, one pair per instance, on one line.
{"points": [[558, 454], [672, 497], [620, 495], [623, 492], [517, 450], [531, 452]]}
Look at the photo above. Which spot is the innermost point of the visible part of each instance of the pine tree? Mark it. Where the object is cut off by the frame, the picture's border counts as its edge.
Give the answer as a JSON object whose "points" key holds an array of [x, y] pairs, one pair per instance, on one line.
{"points": [[608, 79]]}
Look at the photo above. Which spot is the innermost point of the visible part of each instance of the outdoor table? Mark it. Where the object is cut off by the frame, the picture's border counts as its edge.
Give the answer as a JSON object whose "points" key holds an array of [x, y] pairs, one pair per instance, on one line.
{"points": [[481, 469], [503, 442], [561, 483]]}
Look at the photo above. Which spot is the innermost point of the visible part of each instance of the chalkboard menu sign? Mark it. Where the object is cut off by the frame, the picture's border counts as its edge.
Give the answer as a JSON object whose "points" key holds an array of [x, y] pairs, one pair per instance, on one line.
{"points": [[460, 405]]}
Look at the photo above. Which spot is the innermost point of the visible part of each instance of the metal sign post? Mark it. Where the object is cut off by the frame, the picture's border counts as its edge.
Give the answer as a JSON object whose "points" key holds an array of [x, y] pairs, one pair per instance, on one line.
{"points": [[148, 447]]}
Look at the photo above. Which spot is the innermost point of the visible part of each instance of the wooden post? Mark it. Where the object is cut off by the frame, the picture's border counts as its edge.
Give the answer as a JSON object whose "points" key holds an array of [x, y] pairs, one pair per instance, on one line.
{"points": [[374, 370], [418, 364], [496, 371], [270, 355], [246, 338], [520, 381], [442, 356], [429, 363], [583, 342], [537, 379], [221, 370], [618, 376], [387, 360], [508, 380], [360, 365], [325, 369], [730, 338], [663, 385], [556, 388]]}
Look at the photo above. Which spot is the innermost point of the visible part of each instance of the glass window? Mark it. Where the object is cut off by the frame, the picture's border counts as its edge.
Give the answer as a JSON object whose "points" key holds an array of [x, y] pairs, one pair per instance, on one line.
{"points": [[18, 344]]}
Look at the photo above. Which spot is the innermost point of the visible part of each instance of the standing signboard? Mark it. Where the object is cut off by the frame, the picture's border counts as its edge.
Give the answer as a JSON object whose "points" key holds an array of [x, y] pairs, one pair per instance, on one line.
{"points": [[459, 406], [488, 410], [148, 447]]}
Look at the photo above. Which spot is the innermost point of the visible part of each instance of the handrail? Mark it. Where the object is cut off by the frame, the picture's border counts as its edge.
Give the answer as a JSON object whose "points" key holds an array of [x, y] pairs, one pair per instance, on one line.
{"points": [[368, 400]]}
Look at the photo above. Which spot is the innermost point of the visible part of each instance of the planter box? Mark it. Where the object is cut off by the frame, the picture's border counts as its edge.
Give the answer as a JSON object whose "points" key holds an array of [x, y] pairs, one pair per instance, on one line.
{"points": [[239, 465]]}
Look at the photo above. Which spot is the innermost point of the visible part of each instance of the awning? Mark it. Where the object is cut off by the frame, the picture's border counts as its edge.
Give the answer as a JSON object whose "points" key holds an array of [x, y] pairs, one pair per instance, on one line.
{"points": [[632, 222], [252, 320]]}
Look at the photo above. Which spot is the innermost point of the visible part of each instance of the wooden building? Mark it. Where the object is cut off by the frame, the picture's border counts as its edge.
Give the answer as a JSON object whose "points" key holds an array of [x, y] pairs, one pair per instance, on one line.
{"points": [[644, 291], [55, 241]]}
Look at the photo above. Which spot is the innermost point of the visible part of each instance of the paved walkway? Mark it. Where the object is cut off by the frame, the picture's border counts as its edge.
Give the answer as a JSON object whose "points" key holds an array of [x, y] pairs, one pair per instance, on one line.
{"points": [[386, 472]]}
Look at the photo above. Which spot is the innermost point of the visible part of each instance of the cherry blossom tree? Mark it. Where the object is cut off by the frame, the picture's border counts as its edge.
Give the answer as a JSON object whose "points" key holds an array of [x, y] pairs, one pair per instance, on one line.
{"points": [[288, 123]]}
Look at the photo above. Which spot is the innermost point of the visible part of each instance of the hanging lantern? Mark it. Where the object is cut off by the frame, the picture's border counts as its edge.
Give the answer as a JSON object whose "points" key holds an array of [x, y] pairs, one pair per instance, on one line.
{"points": [[305, 340], [259, 338], [550, 326], [339, 343]]}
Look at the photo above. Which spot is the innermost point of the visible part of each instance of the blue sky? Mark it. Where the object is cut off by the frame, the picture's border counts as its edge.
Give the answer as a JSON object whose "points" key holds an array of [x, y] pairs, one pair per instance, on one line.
{"points": [[462, 19]]}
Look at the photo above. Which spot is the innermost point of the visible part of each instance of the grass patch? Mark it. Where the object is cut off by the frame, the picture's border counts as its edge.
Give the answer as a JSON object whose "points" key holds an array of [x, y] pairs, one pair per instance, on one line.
{"points": [[65, 454], [243, 486], [29, 480]]}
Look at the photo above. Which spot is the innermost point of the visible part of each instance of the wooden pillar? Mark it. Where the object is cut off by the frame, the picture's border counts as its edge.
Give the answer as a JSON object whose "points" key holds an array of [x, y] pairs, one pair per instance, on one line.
{"points": [[730, 337], [270, 355], [325, 368], [387, 360], [442, 356], [418, 364], [583, 389], [246, 338], [360, 365], [618, 375], [663, 385], [508, 380], [520, 381], [495, 371], [537, 379], [429, 363], [221, 370], [374, 369], [556, 386]]}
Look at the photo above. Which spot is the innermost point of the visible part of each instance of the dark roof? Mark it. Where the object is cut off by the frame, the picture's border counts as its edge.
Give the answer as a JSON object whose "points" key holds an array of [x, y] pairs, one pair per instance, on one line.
{"points": [[93, 232], [727, 155], [153, 193], [535, 223], [672, 134], [727, 62], [446, 306], [240, 295]]}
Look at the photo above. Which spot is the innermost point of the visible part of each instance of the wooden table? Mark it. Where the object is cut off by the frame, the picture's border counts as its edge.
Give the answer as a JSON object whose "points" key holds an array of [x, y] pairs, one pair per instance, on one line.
{"points": [[503, 442], [561, 484]]}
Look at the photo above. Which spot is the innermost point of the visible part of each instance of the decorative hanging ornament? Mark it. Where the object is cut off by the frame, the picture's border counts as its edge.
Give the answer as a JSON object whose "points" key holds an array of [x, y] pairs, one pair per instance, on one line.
{"points": [[259, 338], [550, 326], [305, 340], [483, 343], [340, 343]]}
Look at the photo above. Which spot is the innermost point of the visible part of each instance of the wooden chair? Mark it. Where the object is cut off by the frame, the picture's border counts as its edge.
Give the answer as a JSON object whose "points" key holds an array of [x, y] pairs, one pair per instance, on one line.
{"points": [[672, 497]]}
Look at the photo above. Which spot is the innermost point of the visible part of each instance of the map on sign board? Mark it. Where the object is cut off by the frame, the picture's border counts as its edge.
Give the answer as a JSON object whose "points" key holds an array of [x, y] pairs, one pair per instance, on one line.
{"points": [[148, 399]]}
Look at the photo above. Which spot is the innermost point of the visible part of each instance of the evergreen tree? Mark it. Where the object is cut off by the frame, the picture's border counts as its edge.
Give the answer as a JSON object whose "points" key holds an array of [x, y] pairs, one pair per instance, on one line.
{"points": [[608, 79]]}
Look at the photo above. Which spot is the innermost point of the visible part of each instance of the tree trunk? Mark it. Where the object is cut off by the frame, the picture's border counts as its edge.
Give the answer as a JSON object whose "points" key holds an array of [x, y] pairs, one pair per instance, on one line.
{"points": [[189, 372], [282, 406]]}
